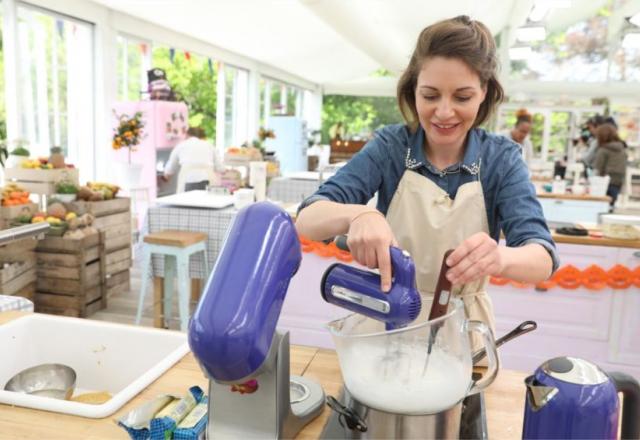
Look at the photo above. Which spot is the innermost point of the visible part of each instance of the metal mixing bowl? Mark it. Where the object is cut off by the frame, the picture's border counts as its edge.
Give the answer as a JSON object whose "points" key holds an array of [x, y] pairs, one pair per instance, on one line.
{"points": [[49, 380]]}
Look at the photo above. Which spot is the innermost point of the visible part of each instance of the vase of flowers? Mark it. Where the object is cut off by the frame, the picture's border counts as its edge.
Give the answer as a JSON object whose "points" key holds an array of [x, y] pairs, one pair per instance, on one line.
{"points": [[128, 134]]}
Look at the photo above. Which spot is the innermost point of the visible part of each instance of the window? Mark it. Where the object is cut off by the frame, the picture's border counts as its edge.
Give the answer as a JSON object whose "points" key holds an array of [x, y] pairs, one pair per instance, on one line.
{"points": [[578, 53], [236, 105], [278, 98], [359, 115], [55, 84], [3, 110], [625, 64], [193, 80], [134, 59]]}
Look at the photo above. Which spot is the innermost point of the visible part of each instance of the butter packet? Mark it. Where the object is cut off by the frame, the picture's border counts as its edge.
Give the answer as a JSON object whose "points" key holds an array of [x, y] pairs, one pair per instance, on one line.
{"points": [[165, 422], [137, 421], [193, 426]]}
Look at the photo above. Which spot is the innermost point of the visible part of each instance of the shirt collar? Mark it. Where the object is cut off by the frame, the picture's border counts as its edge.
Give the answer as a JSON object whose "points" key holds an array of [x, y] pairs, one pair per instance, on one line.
{"points": [[416, 158]]}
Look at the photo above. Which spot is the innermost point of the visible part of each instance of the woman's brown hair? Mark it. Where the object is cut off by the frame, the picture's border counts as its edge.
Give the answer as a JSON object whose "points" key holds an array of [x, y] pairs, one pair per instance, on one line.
{"points": [[462, 38], [606, 133], [522, 115]]}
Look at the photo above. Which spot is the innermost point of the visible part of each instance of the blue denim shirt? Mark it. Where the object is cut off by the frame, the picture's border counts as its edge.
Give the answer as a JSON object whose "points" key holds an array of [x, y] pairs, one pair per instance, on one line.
{"points": [[509, 196]]}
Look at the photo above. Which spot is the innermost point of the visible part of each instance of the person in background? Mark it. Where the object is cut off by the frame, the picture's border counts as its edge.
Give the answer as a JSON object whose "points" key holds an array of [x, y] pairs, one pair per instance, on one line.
{"points": [[592, 143], [442, 182], [520, 134], [198, 161], [611, 159], [336, 131]]}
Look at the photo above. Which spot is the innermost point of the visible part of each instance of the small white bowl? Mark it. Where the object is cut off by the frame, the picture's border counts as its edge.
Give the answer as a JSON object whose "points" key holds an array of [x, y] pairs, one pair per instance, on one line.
{"points": [[66, 198]]}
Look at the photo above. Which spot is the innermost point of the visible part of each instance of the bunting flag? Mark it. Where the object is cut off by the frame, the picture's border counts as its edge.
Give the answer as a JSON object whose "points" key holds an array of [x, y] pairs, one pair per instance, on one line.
{"points": [[60, 27], [187, 55], [210, 63], [143, 48], [172, 54]]}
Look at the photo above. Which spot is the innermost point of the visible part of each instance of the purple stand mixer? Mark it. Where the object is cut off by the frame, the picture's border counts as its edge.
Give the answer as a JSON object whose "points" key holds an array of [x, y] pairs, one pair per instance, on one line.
{"points": [[233, 332]]}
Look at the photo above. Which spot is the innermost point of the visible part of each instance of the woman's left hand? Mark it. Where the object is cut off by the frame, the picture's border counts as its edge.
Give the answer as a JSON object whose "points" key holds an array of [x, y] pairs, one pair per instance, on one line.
{"points": [[475, 258]]}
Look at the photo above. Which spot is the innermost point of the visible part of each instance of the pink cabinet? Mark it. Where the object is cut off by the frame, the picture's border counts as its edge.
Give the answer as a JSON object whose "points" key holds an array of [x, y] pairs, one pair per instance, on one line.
{"points": [[166, 124]]}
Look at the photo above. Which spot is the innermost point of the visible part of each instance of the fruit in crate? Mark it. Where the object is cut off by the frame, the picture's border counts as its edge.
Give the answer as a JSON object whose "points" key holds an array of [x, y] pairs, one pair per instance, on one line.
{"points": [[36, 164], [56, 210], [108, 190], [13, 195], [53, 220]]}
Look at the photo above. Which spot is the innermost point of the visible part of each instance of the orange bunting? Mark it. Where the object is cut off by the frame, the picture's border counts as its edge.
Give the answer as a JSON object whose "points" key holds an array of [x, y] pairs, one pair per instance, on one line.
{"points": [[619, 277], [325, 250], [569, 277], [593, 277]]}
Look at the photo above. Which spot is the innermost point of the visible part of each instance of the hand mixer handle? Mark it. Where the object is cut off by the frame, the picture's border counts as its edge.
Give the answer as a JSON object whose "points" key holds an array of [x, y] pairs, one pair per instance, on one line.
{"points": [[403, 269], [402, 266]]}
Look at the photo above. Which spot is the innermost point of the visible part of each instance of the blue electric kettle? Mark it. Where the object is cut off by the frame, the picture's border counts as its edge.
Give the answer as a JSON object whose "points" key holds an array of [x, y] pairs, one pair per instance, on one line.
{"points": [[570, 398]]}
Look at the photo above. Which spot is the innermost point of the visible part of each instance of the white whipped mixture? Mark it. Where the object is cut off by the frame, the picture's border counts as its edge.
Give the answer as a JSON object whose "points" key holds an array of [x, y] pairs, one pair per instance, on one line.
{"points": [[395, 381]]}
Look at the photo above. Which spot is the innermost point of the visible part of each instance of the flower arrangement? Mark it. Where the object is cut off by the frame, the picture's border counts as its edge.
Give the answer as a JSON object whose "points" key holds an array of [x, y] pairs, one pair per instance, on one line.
{"points": [[128, 133], [263, 135]]}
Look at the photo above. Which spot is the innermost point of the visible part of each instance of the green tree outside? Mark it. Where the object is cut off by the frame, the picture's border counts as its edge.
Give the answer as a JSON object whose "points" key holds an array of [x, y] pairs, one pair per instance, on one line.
{"points": [[359, 115], [193, 82]]}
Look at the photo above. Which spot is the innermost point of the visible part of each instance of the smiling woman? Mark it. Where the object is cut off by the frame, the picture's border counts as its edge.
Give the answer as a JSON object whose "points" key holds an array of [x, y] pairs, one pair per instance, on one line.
{"points": [[442, 182]]}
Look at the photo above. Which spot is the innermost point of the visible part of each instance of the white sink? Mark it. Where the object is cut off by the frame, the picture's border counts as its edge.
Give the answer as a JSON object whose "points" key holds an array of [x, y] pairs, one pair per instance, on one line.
{"points": [[119, 359]]}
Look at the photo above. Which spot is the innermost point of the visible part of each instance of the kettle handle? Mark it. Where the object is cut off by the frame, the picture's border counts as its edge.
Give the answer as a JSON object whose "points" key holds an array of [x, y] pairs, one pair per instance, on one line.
{"points": [[630, 389], [492, 354]]}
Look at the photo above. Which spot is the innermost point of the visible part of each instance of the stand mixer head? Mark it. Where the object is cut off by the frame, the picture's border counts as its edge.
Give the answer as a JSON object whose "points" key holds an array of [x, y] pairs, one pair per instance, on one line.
{"points": [[359, 291], [233, 331]]}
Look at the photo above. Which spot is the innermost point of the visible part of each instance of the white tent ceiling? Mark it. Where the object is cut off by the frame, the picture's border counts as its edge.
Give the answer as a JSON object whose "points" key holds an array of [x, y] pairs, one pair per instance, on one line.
{"points": [[336, 44]]}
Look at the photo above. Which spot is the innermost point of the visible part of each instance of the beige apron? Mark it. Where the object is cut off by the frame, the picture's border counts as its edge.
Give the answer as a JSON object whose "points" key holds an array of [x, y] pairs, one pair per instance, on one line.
{"points": [[426, 222]]}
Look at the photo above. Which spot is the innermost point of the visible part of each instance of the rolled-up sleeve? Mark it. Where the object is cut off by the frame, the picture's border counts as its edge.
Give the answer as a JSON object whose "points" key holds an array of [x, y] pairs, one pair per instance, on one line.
{"points": [[519, 211], [358, 180]]}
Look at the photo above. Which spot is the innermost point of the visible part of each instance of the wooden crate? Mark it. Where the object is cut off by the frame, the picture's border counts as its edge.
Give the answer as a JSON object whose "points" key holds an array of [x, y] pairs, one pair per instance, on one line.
{"points": [[40, 181], [8, 213], [16, 276], [71, 276], [118, 283], [19, 250], [113, 217]]}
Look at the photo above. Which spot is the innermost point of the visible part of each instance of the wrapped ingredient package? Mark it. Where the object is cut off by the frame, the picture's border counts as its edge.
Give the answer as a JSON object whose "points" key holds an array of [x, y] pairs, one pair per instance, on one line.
{"points": [[166, 421]]}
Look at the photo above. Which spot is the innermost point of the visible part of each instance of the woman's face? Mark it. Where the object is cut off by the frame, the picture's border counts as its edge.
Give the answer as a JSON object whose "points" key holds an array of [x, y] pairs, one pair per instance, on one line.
{"points": [[521, 131], [448, 96]]}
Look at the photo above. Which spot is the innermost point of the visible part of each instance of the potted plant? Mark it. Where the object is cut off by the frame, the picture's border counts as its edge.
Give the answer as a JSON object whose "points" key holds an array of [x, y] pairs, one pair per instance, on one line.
{"points": [[128, 134], [18, 155], [65, 191]]}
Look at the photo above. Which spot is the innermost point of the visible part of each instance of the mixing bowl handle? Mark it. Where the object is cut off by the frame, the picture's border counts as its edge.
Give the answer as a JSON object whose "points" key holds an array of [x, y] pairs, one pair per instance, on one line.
{"points": [[492, 355]]}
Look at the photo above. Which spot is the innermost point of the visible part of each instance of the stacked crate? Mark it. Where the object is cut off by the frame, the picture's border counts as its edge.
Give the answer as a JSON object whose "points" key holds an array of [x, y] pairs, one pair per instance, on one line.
{"points": [[71, 275], [18, 268], [9, 213], [113, 217], [39, 181]]}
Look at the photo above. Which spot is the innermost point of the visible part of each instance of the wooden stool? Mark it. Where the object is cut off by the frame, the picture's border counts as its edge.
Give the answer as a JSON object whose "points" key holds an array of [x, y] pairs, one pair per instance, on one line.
{"points": [[177, 247]]}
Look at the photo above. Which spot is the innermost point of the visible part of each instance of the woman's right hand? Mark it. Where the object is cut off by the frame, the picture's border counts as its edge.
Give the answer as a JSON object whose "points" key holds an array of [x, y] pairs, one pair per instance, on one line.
{"points": [[369, 239]]}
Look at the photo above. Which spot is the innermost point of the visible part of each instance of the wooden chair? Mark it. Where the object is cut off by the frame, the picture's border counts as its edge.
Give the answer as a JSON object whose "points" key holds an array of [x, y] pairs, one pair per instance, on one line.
{"points": [[177, 247]]}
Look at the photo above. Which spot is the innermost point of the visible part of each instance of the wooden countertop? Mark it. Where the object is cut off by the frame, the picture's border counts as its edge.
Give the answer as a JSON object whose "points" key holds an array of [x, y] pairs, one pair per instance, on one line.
{"points": [[504, 400], [584, 197], [595, 241]]}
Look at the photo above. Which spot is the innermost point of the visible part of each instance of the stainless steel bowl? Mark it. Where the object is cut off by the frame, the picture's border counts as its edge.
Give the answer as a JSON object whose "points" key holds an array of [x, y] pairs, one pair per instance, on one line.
{"points": [[49, 380]]}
